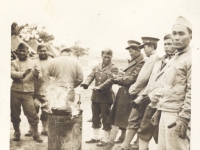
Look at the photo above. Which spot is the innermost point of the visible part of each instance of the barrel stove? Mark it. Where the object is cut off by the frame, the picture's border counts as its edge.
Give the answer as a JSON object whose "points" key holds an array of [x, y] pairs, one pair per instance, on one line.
{"points": [[64, 133]]}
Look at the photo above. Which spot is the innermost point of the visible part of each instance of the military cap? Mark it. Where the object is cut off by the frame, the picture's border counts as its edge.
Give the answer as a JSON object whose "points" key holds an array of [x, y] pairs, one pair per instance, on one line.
{"points": [[183, 21], [22, 46], [65, 48], [107, 52], [167, 36], [132, 43], [149, 40]]}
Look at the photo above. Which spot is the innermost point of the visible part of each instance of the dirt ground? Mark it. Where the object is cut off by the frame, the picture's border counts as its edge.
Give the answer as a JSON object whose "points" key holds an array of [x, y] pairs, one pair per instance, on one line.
{"points": [[27, 143]]}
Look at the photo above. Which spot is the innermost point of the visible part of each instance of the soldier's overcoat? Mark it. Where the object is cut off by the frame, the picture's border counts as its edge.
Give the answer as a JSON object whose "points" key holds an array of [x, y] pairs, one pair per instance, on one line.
{"points": [[121, 108]]}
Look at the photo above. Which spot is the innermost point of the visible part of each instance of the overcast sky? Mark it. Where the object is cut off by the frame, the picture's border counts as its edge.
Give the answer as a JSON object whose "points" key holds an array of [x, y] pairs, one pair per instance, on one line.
{"points": [[105, 23]]}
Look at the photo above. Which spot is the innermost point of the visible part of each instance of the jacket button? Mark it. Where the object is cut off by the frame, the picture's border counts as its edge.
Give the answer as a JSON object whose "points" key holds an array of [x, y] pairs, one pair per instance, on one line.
{"points": [[99, 82], [99, 77]]}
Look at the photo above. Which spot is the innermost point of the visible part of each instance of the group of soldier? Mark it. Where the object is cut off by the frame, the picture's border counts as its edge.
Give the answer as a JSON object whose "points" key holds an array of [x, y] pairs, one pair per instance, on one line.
{"points": [[154, 97], [31, 78], [153, 100]]}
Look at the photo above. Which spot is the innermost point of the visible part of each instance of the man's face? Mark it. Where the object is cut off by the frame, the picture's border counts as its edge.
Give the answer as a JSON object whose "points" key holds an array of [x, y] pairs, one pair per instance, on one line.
{"points": [[22, 53], [148, 49], [43, 53], [132, 52], [180, 37], [106, 59], [168, 46]]}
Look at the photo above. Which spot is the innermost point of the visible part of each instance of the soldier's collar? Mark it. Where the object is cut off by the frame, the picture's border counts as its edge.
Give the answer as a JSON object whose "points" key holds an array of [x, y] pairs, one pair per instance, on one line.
{"points": [[177, 53]]}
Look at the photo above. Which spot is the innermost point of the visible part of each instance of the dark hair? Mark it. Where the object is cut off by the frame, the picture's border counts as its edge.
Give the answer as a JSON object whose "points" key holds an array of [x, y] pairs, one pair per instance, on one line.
{"points": [[168, 36], [41, 46], [22, 46], [151, 44]]}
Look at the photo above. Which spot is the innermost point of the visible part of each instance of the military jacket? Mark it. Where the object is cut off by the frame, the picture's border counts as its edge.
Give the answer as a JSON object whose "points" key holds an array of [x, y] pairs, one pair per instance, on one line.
{"points": [[100, 75]]}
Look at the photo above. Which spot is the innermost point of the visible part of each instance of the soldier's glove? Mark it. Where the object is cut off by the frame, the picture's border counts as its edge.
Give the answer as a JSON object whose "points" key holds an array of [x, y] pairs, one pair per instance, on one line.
{"points": [[156, 118], [85, 86], [181, 126]]}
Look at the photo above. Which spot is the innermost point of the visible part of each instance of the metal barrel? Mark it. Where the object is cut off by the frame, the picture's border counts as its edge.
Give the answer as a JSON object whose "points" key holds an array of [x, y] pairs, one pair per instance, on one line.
{"points": [[64, 133]]}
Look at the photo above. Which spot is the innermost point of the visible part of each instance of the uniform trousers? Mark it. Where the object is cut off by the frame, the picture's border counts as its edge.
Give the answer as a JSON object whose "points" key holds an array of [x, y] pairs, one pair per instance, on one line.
{"points": [[147, 130], [136, 116], [104, 110], [24, 99], [169, 138]]}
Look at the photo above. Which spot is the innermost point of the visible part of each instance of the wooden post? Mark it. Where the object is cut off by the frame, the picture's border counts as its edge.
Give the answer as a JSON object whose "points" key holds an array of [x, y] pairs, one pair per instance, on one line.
{"points": [[64, 133]]}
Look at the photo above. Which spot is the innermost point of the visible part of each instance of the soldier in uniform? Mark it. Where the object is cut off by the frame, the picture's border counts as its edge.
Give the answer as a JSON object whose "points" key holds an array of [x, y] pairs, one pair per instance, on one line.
{"points": [[23, 72], [101, 99], [175, 92], [147, 130], [121, 108], [40, 88], [136, 115]]}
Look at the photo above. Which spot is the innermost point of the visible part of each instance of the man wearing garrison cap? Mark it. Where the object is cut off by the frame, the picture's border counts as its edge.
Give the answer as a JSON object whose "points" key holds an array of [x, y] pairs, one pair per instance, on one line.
{"points": [[136, 115], [175, 92], [23, 72], [102, 99]]}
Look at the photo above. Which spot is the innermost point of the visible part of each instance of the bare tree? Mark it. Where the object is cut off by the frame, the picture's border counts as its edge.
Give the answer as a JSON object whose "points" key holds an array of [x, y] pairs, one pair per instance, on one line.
{"points": [[79, 51]]}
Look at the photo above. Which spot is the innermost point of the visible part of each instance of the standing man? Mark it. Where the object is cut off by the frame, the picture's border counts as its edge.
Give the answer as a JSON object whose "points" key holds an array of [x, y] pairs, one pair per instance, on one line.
{"points": [[101, 99], [23, 72], [147, 130], [40, 86], [121, 108], [67, 72], [136, 115], [175, 92]]}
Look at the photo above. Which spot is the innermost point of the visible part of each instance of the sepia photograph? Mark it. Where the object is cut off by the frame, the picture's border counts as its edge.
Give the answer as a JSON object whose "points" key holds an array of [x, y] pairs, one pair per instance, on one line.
{"points": [[100, 75]]}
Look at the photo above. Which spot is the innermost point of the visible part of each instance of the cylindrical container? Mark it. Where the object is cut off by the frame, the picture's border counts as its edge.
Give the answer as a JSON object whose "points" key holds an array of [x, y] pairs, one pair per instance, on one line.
{"points": [[64, 133]]}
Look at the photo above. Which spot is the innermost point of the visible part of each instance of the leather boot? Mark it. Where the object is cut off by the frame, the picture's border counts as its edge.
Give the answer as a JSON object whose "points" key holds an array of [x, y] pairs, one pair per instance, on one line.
{"points": [[44, 128], [30, 131], [17, 133], [36, 136]]}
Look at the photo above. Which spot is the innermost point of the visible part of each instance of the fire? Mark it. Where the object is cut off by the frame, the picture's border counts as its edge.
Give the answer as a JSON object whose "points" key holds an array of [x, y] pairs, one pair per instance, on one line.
{"points": [[58, 98]]}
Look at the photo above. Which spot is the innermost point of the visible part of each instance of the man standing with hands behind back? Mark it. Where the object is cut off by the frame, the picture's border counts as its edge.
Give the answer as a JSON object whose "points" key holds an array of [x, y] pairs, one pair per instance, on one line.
{"points": [[23, 72]]}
